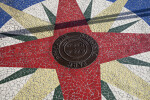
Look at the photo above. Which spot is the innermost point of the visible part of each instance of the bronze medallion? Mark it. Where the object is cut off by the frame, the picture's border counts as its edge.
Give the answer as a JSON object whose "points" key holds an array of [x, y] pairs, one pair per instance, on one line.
{"points": [[75, 50]]}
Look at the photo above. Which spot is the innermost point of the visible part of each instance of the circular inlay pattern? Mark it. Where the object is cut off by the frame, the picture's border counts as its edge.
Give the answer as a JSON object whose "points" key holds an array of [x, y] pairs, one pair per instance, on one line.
{"points": [[75, 50]]}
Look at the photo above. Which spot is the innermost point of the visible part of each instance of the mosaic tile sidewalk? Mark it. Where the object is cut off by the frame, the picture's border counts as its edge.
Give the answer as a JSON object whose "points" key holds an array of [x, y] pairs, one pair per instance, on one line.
{"points": [[32, 70]]}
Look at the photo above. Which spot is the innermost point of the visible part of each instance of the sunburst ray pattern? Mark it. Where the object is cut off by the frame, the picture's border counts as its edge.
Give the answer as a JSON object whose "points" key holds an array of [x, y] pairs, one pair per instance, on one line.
{"points": [[74, 82], [121, 77], [29, 22], [97, 25], [39, 85]]}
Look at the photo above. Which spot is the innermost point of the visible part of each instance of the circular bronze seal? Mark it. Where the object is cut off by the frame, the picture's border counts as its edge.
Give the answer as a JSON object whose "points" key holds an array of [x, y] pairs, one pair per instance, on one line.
{"points": [[75, 50]]}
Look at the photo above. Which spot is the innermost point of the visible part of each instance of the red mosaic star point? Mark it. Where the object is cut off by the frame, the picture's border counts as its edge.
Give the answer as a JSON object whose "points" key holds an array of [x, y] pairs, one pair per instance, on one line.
{"points": [[113, 46], [31, 54]]}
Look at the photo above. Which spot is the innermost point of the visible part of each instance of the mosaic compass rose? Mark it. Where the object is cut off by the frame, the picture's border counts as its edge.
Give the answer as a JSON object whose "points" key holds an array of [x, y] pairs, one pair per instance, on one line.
{"points": [[73, 56]]}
